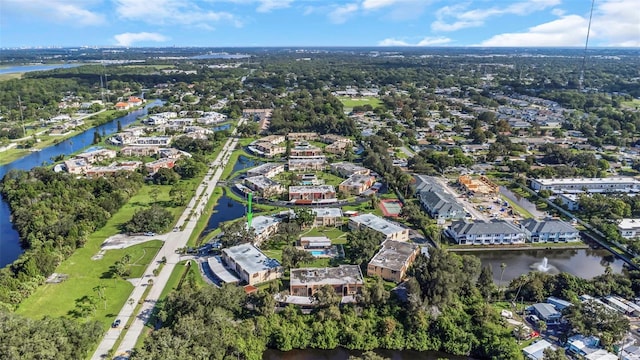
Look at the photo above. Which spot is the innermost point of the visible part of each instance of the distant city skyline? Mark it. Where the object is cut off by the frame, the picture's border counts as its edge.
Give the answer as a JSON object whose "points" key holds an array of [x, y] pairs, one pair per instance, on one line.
{"points": [[248, 23]]}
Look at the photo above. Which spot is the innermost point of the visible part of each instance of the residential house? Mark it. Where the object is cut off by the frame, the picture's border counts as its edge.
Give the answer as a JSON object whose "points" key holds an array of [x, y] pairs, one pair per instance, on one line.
{"points": [[76, 166], [264, 227], [552, 230], [629, 228], [267, 149], [274, 139], [139, 150], [494, 232], [251, 264], [393, 260], [546, 312], [357, 184], [328, 216], [314, 242], [264, 186], [307, 163], [333, 138], [154, 166], [346, 280], [312, 193], [558, 303], [97, 155], [339, 147], [122, 106], [268, 169], [441, 206], [257, 114], [535, 351], [389, 230], [582, 345], [135, 101], [99, 171], [302, 136], [305, 150], [346, 169]]}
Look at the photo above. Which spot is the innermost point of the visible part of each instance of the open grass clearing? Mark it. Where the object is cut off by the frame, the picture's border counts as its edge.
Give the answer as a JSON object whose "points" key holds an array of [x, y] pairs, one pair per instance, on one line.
{"points": [[86, 274], [350, 103]]}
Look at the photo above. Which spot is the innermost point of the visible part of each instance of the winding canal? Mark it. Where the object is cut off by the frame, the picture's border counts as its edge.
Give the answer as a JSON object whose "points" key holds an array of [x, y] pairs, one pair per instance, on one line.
{"points": [[10, 247]]}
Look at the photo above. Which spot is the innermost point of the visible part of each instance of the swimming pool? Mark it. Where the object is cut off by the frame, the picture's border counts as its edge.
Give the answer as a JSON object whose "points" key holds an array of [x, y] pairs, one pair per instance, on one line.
{"points": [[319, 252]]}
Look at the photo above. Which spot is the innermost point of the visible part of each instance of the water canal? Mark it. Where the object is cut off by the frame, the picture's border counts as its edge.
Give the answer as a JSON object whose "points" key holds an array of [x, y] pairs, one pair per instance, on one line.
{"points": [[10, 247]]}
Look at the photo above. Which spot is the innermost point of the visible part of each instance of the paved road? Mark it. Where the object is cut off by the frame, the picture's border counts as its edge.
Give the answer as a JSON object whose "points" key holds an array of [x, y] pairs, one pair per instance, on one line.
{"points": [[174, 241]]}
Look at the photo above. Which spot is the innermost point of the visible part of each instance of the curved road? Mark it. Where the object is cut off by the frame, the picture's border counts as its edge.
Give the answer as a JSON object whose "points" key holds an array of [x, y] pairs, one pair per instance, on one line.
{"points": [[174, 241]]}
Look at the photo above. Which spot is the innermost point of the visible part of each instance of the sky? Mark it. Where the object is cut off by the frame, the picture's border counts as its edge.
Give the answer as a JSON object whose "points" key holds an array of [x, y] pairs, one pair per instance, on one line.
{"points": [[243, 23]]}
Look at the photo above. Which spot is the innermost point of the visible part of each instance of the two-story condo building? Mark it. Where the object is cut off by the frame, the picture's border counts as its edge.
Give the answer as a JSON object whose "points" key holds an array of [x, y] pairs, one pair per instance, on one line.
{"points": [[251, 264], [392, 261], [389, 230], [549, 231], [485, 233]]}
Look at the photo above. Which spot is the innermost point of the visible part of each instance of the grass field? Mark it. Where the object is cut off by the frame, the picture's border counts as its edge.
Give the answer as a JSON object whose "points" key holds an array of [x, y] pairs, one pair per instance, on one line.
{"points": [[634, 104], [85, 274], [349, 103], [5, 77]]}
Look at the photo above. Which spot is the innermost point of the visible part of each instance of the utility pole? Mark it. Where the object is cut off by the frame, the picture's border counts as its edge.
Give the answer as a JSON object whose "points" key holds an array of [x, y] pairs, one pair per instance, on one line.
{"points": [[24, 131]]}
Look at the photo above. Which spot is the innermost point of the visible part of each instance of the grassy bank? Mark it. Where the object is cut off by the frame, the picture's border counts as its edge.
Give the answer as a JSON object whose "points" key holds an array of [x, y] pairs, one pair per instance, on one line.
{"points": [[85, 275]]}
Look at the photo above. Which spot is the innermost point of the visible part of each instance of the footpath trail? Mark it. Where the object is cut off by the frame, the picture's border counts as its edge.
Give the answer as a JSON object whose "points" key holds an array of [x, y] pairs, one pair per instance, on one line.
{"points": [[175, 240]]}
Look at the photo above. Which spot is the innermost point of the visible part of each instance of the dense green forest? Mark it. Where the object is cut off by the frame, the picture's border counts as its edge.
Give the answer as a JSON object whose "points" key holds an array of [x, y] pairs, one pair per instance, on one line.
{"points": [[54, 213], [49, 338]]}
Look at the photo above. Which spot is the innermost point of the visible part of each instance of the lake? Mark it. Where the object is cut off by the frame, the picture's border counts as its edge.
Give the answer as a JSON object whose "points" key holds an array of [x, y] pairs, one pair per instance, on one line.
{"points": [[36, 67], [585, 263], [9, 239], [343, 354]]}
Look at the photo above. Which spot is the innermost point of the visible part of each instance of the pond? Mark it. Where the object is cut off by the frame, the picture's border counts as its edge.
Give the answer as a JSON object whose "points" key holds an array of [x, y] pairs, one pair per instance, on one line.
{"points": [[585, 263], [225, 210], [343, 354], [245, 163]]}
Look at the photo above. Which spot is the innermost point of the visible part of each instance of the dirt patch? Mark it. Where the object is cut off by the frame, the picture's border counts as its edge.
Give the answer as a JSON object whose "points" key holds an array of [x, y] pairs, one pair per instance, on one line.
{"points": [[121, 241]]}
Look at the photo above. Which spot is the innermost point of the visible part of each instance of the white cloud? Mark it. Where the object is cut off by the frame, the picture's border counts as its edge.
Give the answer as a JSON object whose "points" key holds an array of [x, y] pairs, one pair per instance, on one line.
{"points": [[615, 23], [341, 13], [72, 12], [127, 39], [452, 18], [268, 5], [558, 12], [427, 41], [163, 12], [392, 42], [567, 31]]}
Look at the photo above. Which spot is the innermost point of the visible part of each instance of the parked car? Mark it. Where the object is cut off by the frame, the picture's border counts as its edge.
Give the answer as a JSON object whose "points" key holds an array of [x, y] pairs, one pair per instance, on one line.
{"points": [[149, 233], [116, 323]]}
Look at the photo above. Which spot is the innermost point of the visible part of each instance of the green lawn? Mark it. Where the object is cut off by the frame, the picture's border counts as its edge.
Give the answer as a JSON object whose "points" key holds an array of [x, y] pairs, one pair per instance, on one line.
{"points": [[336, 235], [519, 209], [348, 102], [634, 104], [86, 274]]}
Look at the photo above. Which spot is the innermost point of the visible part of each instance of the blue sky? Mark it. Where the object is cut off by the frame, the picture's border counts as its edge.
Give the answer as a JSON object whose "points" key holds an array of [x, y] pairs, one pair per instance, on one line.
{"points": [[224, 23]]}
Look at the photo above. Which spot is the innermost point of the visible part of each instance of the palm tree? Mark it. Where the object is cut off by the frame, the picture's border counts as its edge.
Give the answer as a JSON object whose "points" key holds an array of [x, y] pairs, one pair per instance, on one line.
{"points": [[502, 267]]}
